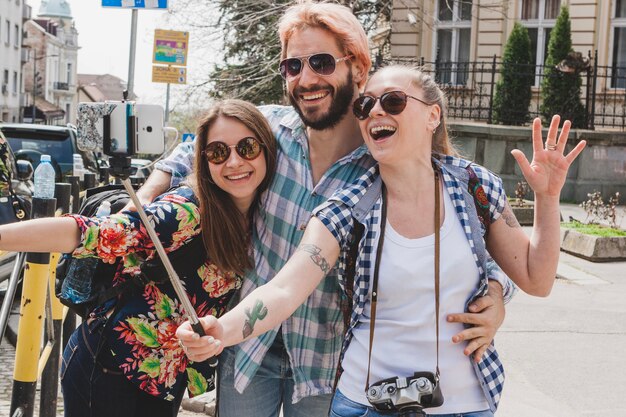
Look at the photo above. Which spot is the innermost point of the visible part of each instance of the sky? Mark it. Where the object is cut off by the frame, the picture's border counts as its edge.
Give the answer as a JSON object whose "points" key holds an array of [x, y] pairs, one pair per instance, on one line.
{"points": [[104, 40]]}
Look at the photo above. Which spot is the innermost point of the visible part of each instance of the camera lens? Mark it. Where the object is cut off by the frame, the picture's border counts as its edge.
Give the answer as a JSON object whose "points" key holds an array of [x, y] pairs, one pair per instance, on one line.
{"points": [[149, 129]]}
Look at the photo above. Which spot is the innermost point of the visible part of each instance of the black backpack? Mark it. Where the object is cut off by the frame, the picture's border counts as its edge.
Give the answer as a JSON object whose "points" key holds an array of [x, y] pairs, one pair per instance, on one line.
{"points": [[74, 272]]}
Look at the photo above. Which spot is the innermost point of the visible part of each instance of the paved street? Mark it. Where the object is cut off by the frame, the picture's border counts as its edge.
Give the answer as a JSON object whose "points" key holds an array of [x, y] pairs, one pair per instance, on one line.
{"points": [[564, 356]]}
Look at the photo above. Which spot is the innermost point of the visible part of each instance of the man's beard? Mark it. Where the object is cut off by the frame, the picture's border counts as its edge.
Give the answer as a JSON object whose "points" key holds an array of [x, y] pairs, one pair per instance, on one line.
{"points": [[338, 108]]}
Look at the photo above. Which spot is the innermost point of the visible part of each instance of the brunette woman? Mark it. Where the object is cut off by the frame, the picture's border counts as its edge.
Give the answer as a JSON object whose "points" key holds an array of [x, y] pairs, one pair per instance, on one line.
{"points": [[125, 360]]}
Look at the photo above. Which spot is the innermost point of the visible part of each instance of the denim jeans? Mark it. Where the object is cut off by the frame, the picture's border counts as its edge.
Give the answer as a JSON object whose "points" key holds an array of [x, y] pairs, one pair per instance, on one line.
{"points": [[271, 388], [97, 388], [344, 407]]}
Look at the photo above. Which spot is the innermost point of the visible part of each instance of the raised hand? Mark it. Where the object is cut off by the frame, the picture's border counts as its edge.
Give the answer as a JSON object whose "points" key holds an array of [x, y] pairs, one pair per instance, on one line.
{"points": [[547, 172]]}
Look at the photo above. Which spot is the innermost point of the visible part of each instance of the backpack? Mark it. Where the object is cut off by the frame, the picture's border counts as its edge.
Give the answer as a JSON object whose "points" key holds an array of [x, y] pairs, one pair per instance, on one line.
{"points": [[83, 284]]}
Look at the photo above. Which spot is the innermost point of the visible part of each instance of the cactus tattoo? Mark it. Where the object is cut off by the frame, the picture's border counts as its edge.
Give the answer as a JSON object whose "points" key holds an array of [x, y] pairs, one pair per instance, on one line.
{"points": [[317, 259], [259, 311]]}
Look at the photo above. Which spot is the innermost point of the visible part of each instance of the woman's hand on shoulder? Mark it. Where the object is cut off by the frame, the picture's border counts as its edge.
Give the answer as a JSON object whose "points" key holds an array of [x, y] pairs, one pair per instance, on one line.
{"points": [[547, 172]]}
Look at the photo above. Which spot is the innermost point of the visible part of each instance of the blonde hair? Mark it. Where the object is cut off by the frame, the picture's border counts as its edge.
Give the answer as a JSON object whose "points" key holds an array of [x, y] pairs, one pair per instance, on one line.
{"points": [[433, 94], [336, 19]]}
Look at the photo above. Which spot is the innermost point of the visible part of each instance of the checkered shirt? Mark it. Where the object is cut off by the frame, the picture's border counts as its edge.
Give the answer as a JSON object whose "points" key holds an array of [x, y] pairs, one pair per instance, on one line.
{"points": [[336, 214], [313, 334]]}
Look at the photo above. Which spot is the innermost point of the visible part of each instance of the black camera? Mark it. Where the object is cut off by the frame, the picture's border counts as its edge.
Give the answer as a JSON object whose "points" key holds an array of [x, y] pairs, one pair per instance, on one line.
{"points": [[407, 395]]}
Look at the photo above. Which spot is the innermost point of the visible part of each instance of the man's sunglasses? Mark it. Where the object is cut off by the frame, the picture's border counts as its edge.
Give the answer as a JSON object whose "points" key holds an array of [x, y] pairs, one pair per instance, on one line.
{"points": [[322, 64], [392, 102], [218, 152]]}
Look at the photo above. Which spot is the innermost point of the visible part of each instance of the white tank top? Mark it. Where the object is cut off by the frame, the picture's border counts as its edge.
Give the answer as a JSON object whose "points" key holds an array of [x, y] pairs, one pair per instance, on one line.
{"points": [[405, 332]]}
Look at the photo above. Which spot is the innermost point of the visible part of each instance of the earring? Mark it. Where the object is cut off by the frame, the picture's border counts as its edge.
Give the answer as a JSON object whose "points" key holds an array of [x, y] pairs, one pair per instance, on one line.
{"points": [[435, 128]]}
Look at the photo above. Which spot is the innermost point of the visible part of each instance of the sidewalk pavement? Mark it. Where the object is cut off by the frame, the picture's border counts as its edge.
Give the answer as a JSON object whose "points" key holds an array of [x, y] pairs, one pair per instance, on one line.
{"points": [[564, 356]]}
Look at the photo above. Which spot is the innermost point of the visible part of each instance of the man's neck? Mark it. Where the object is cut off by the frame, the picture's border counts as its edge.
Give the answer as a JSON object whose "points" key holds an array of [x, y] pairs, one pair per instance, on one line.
{"points": [[328, 146]]}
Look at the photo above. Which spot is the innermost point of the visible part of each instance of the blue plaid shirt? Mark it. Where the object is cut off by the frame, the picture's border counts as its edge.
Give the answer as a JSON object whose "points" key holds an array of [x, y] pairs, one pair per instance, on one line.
{"points": [[336, 214]]}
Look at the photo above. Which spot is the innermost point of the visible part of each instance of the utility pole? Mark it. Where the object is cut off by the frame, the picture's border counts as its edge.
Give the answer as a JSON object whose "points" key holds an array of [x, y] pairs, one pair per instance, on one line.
{"points": [[131, 60]]}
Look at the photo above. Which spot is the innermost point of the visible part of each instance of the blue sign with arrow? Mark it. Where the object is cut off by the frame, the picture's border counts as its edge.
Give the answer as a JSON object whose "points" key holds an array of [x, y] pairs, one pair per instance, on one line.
{"points": [[136, 4]]}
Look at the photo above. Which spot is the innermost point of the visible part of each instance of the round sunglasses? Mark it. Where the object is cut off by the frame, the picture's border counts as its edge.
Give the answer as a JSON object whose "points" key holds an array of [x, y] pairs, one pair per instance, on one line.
{"points": [[322, 64], [218, 152], [392, 102]]}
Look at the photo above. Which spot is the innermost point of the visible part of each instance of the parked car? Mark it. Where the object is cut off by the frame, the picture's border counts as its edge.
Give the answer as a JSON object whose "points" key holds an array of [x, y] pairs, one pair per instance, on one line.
{"points": [[21, 181], [30, 141], [141, 167]]}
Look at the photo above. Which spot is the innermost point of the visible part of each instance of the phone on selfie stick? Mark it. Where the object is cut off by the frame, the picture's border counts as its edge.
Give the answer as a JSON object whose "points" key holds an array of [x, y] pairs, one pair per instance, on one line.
{"points": [[121, 129]]}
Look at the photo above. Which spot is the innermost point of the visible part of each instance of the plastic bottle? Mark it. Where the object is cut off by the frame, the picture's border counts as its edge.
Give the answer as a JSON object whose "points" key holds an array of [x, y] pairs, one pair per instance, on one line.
{"points": [[78, 169], [104, 209], [77, 284], [44, 178]]}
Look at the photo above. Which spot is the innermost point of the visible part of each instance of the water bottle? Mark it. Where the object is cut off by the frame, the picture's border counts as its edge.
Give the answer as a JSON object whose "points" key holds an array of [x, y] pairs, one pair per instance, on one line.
{"points": [[104, 209], [78, 169], [77, 284], [44, 178]]}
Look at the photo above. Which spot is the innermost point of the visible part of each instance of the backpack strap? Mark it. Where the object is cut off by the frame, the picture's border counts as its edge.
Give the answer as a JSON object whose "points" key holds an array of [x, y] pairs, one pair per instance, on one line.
{"points": [[359, 211], [481, 201]]}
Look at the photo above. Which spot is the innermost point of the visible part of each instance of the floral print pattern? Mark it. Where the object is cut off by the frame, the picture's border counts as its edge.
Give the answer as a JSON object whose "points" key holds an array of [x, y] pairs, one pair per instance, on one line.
{"points": [[142, 332]]}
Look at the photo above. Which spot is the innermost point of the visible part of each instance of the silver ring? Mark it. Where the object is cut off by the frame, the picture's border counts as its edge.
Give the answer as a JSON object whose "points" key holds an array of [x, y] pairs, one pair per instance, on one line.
{"points": [[180, 343], [550, 146]]}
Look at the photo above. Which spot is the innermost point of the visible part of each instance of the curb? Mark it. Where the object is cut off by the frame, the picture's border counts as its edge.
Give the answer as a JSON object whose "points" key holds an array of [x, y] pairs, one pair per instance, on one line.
{"points": [[199, 405]]}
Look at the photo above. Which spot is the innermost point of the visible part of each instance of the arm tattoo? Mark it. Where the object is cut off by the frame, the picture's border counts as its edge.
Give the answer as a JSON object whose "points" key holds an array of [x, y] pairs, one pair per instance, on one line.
{"points": [[315, 256], [509, 217], [259, 311]]}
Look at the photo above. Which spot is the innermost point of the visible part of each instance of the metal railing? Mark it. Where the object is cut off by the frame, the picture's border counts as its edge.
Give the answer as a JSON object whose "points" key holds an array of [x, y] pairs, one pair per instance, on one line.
{"points": [[470, 89]]}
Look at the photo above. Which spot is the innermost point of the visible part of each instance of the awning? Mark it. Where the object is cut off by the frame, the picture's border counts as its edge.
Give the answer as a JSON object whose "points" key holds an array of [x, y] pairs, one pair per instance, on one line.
{"points": [[44, 110]]}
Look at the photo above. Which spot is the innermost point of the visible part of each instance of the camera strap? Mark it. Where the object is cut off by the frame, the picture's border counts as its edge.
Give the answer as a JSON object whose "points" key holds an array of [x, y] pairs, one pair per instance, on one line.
{"points": [[379, 250]]}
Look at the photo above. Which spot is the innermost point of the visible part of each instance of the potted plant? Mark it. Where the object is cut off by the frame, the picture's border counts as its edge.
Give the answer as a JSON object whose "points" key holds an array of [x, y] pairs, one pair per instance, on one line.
{"points": [[522, 208], [598, 238]]}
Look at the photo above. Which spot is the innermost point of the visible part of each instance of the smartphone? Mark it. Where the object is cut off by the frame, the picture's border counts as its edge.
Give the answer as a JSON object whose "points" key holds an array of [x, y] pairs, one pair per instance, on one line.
{"points": [[150, 134], [130, 128], [120, 129]]}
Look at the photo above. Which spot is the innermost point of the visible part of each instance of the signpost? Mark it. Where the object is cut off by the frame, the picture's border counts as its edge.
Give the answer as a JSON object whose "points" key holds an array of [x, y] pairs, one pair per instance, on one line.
{"points": [[136, 4], [170, 47], [188, 137], [170, 75]]}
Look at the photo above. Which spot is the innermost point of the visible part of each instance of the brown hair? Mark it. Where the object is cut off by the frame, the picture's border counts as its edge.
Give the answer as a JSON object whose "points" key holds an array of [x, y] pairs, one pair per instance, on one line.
{"points": [[432, 94], [225, 230], [335, 18]]}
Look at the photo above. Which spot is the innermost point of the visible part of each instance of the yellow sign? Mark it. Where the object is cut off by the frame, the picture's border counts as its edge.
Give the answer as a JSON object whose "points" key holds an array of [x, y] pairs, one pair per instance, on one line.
{"points": [[170, 75], [170, 47]]}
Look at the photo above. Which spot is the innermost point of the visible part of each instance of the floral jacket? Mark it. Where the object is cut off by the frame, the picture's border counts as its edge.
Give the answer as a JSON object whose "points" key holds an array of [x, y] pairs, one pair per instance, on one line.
{"points": [[141, 334]]}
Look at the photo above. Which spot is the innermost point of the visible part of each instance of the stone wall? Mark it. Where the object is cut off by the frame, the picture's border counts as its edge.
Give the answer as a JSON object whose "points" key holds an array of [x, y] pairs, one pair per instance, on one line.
{"points": [[601, 166]]}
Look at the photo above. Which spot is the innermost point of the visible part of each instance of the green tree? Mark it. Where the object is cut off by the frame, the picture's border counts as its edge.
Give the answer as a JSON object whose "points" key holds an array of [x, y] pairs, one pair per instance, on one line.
{"points": [[560, 90], [247, 30], [513, 90]]}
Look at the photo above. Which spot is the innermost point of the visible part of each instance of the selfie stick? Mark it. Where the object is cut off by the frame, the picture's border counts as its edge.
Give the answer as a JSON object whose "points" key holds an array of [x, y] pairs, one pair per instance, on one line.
{"points": [[171, 272]]}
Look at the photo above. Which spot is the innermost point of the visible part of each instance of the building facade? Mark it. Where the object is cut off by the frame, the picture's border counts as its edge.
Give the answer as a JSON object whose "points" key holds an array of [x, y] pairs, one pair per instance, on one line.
{"points": [[13, 13], [463, 36], [51, 71]]}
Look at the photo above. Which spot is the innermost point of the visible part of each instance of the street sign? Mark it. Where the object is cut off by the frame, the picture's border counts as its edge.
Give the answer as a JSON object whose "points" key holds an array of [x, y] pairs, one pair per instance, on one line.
{"points": [[170, 47], [188, 137], [136, 4], [170, 75]]}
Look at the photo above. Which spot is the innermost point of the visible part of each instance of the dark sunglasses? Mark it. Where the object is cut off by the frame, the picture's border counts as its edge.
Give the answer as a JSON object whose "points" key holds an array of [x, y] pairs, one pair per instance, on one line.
{"points": [[392, 102], [218, 152], [322, 64]]}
